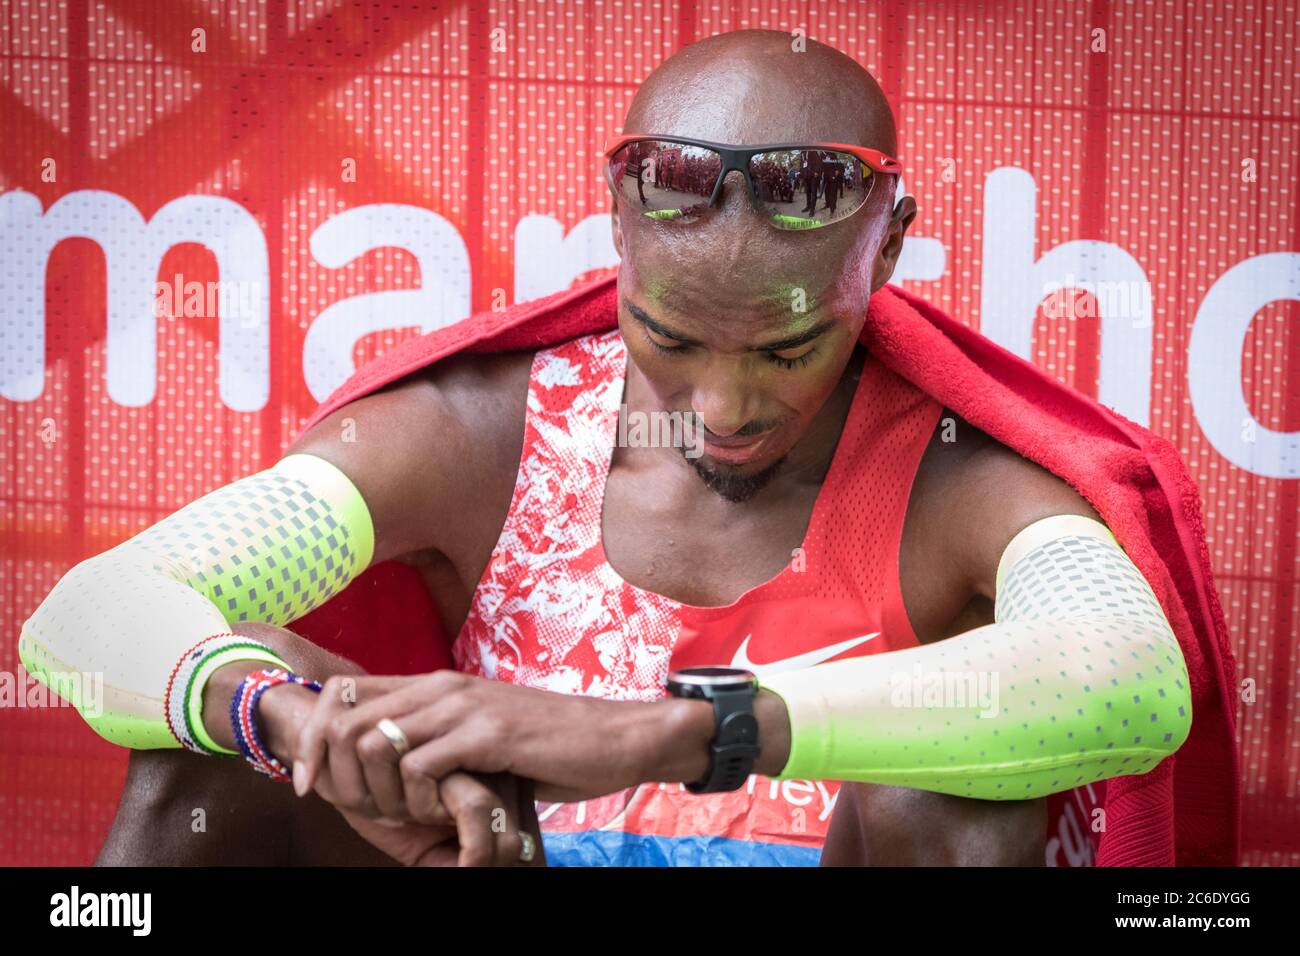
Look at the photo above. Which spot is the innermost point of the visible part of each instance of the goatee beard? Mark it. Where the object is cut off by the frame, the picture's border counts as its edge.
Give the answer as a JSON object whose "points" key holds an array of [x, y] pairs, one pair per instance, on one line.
{"points": [[737, 488]]}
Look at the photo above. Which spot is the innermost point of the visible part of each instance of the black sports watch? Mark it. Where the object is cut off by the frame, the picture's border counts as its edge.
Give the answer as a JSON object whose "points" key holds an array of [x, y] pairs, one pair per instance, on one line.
{"points": [[735, 739]]}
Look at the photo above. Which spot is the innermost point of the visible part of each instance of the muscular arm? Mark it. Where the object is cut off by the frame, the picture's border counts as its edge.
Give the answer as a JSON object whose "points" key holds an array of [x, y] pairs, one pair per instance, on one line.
{"points": [[396, 471], [1078, 678]]}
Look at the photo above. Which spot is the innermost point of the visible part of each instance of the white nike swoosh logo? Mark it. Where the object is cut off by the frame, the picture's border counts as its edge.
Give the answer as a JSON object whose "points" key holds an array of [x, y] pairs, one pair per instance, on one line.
{"points": [[799, 661]]}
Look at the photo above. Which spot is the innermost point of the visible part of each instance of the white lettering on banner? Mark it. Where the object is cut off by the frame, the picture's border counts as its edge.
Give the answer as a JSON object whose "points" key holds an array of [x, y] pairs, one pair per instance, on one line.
{"points": [[441, 299], [828, 799], [802, 786], [1013, 285], [547, 260], [794, 793], [1070, 842], [133, 252], [922, 259], [1214, 364]]}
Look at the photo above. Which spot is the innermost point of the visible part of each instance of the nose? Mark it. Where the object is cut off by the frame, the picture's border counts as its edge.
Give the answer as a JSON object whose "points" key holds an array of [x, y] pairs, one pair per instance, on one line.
{"points": [[722, 398]]}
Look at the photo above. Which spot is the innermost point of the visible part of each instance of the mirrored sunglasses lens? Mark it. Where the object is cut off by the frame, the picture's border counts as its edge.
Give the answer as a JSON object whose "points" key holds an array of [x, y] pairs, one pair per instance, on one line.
{"points": [[665, 180], [810, 188]]}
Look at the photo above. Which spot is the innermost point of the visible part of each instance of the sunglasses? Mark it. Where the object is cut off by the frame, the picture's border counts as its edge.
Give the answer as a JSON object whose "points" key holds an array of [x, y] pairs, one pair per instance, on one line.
{"points": [[794, 186]]}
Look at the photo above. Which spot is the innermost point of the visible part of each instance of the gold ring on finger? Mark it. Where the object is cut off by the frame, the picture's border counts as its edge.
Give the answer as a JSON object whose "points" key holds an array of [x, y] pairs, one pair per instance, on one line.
{"points": [[395, 736]]}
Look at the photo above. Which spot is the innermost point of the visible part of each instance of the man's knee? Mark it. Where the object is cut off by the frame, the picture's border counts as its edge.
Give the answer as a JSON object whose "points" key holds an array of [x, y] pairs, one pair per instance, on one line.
{"points": [[179, 807], [184, 809], [893, 826]]}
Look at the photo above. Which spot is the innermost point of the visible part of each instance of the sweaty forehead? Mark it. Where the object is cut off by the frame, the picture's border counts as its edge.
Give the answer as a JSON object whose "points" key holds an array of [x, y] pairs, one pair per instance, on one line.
{"points": [[688, 303], [781, 299], [758, 86]]}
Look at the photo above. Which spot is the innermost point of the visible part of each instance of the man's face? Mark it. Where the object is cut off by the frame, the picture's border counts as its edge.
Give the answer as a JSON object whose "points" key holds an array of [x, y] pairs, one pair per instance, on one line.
{"points": [[747, 327], [754, 369]]}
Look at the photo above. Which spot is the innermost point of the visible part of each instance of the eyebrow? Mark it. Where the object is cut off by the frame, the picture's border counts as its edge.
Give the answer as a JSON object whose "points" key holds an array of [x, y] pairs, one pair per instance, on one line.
{"points": [[791, 342]]}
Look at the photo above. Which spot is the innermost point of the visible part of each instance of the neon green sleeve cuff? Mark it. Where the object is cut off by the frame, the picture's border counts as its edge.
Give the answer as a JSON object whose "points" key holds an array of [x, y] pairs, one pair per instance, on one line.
{"points": [[269, 547], [1080, 679]]}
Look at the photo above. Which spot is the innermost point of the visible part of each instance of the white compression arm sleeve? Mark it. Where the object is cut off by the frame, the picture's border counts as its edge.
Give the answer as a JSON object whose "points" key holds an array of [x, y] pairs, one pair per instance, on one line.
{"points": [[1080, 678], [269, 547]]}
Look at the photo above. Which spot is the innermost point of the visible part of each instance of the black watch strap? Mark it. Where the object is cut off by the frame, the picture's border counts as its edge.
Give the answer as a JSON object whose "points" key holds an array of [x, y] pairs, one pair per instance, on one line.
{"points": [[735, 743]]}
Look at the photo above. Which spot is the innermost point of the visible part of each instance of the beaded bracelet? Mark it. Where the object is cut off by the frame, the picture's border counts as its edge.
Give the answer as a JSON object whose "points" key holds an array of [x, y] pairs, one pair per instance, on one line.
{"points": [[243, 709], [181, 701]]}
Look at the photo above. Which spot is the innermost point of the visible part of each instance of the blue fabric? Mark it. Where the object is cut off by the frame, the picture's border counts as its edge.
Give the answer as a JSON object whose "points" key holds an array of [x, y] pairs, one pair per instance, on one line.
{"points": [[613, 848]]}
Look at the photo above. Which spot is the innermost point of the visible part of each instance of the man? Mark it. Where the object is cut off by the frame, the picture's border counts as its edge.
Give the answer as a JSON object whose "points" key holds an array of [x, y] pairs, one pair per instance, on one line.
{"points": [[811, 173], [842, 526]]}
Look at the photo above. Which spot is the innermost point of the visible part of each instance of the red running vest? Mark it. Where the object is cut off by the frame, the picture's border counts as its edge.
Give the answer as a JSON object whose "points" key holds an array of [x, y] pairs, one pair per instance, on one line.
{"points": [[551, 612]]}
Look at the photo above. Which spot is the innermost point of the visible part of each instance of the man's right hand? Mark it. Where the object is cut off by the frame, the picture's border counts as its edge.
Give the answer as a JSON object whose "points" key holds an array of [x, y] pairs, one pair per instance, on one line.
{"points": [[488, 813], [483, 814]]}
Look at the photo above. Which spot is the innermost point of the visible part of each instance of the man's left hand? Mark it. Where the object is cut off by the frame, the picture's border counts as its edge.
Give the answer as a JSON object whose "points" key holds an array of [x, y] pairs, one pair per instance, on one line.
{"points": [[572, 747]]}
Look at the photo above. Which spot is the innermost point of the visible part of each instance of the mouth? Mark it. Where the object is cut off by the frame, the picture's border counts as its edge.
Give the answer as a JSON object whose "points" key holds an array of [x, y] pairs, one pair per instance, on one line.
{"points": [[735, 449]]}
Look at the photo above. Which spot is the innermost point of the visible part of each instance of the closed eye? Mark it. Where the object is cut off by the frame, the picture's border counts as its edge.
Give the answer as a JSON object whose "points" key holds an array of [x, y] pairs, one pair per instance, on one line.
{"points": [[785, 361], [663, 343]]}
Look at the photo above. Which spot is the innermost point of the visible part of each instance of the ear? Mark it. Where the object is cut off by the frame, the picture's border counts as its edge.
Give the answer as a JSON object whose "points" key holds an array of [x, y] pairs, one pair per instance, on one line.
{"points": [[891, 247]]}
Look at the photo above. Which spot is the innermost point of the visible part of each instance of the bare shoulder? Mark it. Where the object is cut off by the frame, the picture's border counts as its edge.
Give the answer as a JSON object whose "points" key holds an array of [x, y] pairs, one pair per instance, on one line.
{"points": [[434, 453], [975, 494]]}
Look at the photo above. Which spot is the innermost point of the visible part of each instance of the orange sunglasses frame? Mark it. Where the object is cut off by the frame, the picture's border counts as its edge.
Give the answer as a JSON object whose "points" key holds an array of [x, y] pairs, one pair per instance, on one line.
{"points": [[738, 157], [874, 158]]}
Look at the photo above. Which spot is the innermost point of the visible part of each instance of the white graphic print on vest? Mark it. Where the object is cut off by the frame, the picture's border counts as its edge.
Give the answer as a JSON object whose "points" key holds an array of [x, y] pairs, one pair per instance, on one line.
{"points": [[549, 612]]}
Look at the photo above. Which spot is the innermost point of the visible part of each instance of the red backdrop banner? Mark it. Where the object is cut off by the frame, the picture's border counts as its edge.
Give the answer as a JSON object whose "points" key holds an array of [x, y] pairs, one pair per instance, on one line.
{"points": [[212, 210]]}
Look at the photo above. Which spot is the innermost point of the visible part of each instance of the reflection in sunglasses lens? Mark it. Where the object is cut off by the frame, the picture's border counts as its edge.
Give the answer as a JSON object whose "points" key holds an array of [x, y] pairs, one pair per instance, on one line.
{"points": [[665, 180], [810, 188], [797, 188]]}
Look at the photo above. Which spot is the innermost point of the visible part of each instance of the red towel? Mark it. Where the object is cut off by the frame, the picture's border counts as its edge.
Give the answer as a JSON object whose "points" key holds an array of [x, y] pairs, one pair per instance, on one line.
{"points": [[1184, 812]]}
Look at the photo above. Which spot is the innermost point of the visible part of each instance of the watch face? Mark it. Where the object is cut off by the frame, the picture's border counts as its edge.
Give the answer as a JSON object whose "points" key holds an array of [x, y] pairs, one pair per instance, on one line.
{"points": [[712, 676]]}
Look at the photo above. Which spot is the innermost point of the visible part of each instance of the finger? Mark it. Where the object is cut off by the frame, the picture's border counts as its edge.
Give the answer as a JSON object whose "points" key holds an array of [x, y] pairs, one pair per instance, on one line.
{"points": [[327, 790], [356, 740], [329, 750], [483, 825], [422, 849], [379, 766], [527, 803], [344, 765], [338, 695], [505, 823], [468, 747], [422, 796], [309, 754], [420, 782], [416, 695]]}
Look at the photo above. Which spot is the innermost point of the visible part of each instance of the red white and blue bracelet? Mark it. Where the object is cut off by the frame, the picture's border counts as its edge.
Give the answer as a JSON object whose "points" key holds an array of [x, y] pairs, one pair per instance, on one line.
{"points": [[243, 710]]}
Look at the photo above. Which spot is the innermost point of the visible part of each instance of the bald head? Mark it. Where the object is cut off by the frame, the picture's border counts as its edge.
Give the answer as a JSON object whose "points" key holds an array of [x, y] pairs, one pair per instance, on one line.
{"points": [[751, 86]]}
